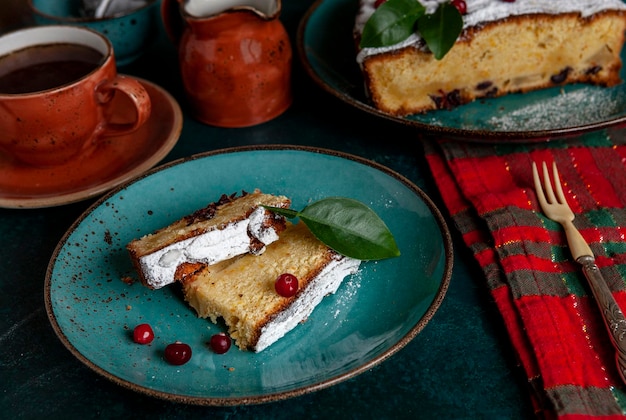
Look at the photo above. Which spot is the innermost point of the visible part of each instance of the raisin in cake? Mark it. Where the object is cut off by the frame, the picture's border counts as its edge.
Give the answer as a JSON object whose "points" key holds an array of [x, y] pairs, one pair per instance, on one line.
{"points": [[229, 227], [504, 47], [241, 290]]}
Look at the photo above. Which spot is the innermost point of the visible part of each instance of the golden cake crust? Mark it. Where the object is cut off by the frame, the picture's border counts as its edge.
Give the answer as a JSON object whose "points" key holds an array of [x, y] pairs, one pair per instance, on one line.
{"points": [[227, 210]]}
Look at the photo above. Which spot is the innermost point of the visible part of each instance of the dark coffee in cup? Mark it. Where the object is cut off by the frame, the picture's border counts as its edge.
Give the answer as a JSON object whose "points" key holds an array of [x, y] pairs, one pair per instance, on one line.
{"points": [[43, 67], [76, 67]]}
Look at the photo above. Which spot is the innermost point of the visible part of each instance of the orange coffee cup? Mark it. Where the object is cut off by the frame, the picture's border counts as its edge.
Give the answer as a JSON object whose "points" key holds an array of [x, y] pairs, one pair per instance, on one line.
{"points": [[55, 85]]}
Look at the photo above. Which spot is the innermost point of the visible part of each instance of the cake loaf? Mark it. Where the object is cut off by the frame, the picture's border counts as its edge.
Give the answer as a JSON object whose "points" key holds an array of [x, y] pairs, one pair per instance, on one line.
{"points": [[242, 292], [504, 47], [232, 226]]}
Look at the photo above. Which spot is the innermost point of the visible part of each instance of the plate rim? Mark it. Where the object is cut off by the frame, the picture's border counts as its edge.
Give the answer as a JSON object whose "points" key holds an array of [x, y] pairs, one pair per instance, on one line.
{"points": [[472, 136], [88, 192], [275, 396]]}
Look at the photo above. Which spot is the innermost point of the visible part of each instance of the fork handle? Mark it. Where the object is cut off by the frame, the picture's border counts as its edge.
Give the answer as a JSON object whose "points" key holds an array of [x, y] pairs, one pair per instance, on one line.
{"points": [[577, 244], [612, 315]]}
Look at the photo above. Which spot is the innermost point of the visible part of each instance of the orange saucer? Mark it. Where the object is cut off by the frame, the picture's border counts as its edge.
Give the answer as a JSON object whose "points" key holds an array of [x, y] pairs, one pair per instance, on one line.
{"points": [[113, 161]]}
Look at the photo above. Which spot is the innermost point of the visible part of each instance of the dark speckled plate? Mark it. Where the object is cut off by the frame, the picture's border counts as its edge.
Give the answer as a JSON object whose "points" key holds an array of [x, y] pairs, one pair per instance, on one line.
{"points": [[374, 313], [326, 48]]}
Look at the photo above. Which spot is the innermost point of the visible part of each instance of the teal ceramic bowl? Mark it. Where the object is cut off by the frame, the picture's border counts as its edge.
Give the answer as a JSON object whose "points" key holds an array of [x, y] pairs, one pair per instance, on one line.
{"points": [[130, 33]]}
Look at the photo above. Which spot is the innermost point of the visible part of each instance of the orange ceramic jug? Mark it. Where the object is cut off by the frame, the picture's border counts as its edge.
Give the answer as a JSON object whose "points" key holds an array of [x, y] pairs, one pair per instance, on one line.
{"points": [[235, 59]]}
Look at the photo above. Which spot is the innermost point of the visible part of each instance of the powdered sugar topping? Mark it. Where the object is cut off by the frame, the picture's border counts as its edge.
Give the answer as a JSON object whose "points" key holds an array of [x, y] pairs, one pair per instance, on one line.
{"points": [[326, 282], [483, 11], [209, 248]]}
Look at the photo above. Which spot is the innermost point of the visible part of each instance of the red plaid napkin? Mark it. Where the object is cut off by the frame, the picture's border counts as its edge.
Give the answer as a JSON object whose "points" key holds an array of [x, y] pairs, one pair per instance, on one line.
{"points": [[552, 319]]}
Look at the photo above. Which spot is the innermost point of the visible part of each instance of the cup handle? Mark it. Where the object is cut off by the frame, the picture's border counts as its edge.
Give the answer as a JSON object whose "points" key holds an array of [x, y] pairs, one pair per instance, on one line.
{"points": [[139, 98]]}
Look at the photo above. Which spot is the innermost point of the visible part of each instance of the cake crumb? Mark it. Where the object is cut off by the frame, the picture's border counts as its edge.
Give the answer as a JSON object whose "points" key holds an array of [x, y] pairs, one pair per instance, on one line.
{"points": [[128, 280]]}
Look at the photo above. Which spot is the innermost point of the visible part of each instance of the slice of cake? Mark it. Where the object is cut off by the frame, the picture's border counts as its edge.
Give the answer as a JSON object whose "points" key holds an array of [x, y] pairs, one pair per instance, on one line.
{"points": [[232, 226], [504, 47], [242, 291]]}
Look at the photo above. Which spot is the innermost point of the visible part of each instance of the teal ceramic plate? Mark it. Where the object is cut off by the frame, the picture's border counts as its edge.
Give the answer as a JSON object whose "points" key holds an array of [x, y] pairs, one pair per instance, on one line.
{"points": [[374, 313], [326, 48]]}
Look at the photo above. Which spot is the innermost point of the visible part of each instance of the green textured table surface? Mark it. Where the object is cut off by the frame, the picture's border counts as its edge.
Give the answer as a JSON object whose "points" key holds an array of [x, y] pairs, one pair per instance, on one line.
{"points": [[460, 365]]}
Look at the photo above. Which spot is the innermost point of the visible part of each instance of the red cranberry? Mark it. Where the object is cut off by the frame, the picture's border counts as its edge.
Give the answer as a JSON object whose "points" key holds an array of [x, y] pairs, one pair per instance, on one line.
{"points": [[286, 285], [143, 334], [177, 353], [220, 343], [460, 5], [377, 3]]}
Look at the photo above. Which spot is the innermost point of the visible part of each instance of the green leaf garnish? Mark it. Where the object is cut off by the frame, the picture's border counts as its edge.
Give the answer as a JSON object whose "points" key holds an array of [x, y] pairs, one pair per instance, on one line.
{"points": [[441, 29], [347, 226], [395, 20]]}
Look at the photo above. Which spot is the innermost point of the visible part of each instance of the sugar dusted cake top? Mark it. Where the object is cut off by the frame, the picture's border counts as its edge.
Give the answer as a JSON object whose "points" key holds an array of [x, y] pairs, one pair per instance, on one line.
{"points": [[484, 11]]}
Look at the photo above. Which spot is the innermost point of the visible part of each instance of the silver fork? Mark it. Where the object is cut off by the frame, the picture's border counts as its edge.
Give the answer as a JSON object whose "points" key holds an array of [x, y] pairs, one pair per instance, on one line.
{"points": [[556, 208]]}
